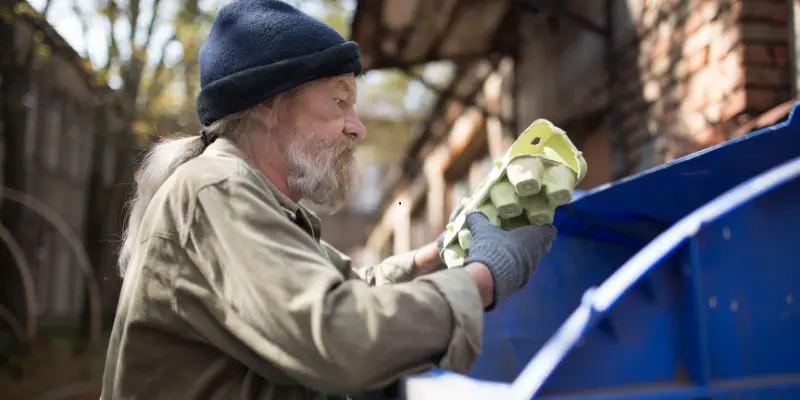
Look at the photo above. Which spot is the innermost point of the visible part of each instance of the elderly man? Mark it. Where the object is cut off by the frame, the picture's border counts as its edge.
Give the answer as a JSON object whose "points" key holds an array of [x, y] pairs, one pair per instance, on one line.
{"points": [[228, 291]]}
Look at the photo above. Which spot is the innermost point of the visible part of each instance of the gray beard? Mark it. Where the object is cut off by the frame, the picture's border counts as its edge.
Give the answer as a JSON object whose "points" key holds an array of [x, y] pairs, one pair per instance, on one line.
{"points": [[321, 177]]}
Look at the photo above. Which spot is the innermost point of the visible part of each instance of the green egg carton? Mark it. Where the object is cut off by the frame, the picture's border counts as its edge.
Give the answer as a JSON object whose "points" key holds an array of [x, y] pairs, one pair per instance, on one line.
{"points": [[537, 174]]}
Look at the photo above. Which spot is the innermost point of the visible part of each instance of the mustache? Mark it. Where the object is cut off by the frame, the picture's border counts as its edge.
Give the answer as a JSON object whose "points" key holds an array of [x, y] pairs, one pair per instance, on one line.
{"points": [[345, 144]]}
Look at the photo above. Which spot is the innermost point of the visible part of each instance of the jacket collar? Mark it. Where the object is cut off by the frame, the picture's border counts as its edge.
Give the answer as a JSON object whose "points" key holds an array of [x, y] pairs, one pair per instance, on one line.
{"points": [[298, 213]]}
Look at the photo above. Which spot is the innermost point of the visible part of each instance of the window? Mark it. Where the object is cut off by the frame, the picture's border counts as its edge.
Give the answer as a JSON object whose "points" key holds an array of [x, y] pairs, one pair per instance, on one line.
{"points": [[78, 288], [61, 280], [109, 159], [74, 143], [87, 147], [31, 102], [54, 115], [42, 270]]}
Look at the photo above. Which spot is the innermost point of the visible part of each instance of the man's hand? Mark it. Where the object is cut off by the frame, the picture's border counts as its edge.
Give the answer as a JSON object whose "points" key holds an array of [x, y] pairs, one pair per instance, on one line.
{"points": [[461, 203], [426, 260]]}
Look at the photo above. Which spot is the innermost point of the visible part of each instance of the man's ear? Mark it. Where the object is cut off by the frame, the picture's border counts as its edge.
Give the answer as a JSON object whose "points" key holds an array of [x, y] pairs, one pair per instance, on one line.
{"points": [[267, 114]]}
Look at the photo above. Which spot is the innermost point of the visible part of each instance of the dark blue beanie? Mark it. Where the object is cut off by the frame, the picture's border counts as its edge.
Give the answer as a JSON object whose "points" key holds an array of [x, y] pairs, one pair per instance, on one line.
{"points": [[260, 48]]}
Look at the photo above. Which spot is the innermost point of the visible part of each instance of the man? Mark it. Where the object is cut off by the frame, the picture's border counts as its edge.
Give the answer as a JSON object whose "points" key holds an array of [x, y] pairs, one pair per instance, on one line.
{"points": [[228, 291]]}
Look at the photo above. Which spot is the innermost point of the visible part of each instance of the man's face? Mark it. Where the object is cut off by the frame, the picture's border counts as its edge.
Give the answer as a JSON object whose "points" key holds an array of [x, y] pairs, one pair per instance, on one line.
{"points": [[323, 131]]}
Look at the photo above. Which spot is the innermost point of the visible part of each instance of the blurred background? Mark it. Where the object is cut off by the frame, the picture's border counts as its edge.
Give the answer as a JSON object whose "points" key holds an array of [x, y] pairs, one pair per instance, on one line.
{"points": [[87, 85]]}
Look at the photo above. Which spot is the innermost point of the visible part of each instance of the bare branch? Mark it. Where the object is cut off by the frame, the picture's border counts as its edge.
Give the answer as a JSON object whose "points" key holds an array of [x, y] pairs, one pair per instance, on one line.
{"points": [[134, 10], [151, 24], [113, 49], [155, 82], [46, 8], [84, 26]]}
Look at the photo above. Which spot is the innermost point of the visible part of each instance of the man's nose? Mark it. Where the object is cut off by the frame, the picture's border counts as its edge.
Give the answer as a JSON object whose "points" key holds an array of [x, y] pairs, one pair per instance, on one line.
{"points": [[354, 126]]}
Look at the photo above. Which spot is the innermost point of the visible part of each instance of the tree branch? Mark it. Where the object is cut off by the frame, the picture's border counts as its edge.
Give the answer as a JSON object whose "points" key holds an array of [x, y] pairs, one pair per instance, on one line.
{"points": [[113, 50], [155, 81], [46, 8], [84, 26], [151, 24], [134, 20]]}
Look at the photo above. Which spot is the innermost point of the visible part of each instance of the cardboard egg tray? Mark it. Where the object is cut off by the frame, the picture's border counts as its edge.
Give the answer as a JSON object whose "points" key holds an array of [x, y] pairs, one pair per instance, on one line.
{"points": [[537, 174]]}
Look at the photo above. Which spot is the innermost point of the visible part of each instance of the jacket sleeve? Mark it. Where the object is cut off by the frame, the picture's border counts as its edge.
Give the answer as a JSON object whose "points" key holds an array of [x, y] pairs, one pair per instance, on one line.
{"points": [[263, 283], [395, 269]]}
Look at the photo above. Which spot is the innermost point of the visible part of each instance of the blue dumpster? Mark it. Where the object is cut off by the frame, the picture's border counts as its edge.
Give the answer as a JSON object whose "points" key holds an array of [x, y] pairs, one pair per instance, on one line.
{"points": [[681, 282]]}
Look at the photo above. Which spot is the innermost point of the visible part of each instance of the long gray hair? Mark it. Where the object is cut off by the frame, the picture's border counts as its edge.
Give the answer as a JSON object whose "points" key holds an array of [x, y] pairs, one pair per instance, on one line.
{"points": [[158, 163]]}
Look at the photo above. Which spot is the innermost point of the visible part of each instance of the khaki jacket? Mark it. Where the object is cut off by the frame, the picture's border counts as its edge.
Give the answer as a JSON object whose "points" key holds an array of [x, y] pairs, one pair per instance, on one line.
{"points": [[231, 294]]}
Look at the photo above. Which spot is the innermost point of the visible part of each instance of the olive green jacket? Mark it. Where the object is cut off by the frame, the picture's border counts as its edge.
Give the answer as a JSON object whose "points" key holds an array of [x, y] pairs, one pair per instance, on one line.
{"points": [[231, 294]]}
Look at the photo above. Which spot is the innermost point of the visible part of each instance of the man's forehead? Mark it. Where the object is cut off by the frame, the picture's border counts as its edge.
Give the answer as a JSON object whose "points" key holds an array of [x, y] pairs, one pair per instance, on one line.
{"points": [[343, 82]]}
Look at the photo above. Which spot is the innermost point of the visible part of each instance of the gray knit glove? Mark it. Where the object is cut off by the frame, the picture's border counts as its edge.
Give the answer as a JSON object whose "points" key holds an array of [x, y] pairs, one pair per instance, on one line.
{"points": [[512, 256]]}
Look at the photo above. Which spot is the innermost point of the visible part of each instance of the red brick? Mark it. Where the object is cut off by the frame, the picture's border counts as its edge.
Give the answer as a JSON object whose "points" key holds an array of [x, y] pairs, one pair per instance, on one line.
{"points": [[632, 121], [693, 4], [695, 94], [636, 136], [715, 94], [781, 54], [730, 69], [724, 42], [698, 60], [678, 92], [668, 117], [764, 32], [649, 17], [660, 66], [757, 54], [694, 121], [733, 104], [657, 107], [761, 99], [700, 15], [628, 57], [766, 76], [679, 71], [710, 136], [660, 49], [699, 39], [631, 87], [712, 112], [693, 23], [760, 10]]}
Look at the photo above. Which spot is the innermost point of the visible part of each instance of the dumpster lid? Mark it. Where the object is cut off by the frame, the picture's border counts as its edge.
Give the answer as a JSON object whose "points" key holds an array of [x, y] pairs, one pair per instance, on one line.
{"points": [[642, 205]]}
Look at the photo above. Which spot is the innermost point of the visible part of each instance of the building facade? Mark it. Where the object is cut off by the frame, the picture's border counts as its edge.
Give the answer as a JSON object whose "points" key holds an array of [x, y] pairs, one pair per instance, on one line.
{"points": [[635, 83], [64, 139]]}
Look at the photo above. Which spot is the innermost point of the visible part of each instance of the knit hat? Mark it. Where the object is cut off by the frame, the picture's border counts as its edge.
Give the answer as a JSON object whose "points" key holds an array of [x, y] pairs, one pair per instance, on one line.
{"points": [[260, 48]]}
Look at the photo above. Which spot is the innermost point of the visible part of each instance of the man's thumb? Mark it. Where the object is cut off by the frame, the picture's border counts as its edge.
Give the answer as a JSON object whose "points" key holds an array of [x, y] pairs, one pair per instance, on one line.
{"points": [[476, 220]]}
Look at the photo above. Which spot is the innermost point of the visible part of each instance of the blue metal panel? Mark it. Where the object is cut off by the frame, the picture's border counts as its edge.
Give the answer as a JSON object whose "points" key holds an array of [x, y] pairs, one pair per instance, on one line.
{"points": [[518, 327], [719, 317], [749, 273]]}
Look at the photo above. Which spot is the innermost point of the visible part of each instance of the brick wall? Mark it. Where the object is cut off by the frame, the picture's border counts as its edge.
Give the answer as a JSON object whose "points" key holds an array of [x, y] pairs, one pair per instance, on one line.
{"points": [[694, 71]]}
